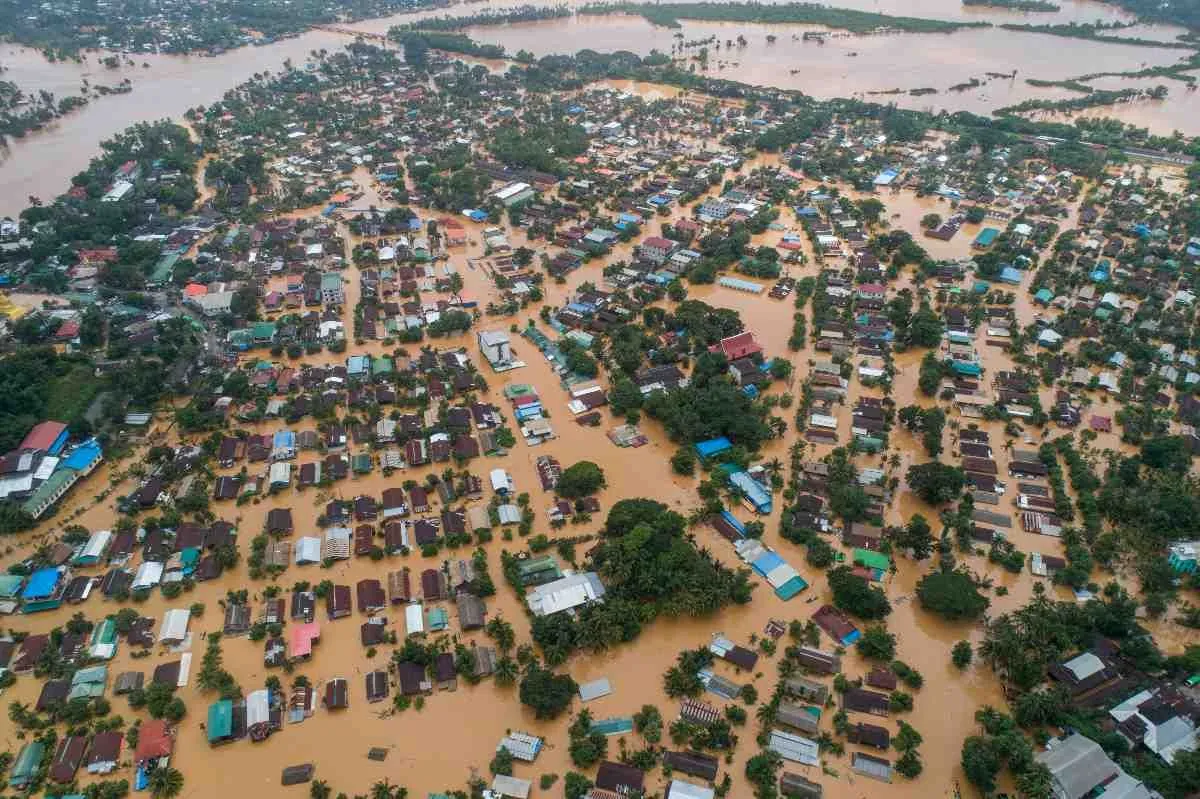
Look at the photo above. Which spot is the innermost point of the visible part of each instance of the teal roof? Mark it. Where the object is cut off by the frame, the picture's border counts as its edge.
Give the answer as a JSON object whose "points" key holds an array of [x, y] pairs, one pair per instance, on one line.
{"points": [[26, 764], [10, 585], [220, 720]]}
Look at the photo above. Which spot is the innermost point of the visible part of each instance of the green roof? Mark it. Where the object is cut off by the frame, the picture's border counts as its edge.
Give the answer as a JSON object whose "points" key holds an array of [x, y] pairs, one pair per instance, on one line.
{"points": [[220, 720], [872, 560], [263, 330], [26, 763], [104, 633], [58, 479], [164, 267]]}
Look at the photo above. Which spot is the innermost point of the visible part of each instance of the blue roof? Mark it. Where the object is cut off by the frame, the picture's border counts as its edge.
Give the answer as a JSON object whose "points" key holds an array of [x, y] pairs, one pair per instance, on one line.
{"points": [[1010, 275], [733, 520], [41, 583], [966, 368], [766, 562], [414, 223], [715, 446], [84, 455], [284, 438], [752, 490]]}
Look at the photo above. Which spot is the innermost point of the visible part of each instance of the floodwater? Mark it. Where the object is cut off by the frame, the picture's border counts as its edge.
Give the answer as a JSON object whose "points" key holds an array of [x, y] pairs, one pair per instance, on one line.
{"points": [[869, 67], [166, 86], [454, 736], [42, 163]]}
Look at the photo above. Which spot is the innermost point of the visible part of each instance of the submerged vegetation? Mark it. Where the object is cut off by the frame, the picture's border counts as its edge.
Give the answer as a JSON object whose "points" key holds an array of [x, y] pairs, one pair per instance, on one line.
{"points": [[668, 15]]}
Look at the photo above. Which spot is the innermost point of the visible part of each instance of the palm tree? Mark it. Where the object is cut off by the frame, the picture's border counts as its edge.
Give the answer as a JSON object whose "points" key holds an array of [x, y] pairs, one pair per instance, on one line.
{"points": [[165, 783], [506, 671], [319, 790], [381, 790]]}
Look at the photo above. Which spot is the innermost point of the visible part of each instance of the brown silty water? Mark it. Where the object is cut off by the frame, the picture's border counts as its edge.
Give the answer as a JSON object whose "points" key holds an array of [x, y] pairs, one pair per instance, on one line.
{"points": [[454, 736]]}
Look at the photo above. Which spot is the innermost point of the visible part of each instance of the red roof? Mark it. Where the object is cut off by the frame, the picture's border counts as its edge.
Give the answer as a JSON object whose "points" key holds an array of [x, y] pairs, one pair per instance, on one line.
{"points": [[154, 740], [106, 254], [195, 290], [1101, 424], [658, 243], [43, 435], [67, 330], [740, 346]]}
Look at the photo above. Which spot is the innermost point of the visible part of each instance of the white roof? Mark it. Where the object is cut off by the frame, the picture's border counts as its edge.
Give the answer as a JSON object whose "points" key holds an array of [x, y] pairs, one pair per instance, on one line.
{"points": [[679, 789], [175, 625], [258, 707], [566, 593], [511, 786], [97, 544], [185, 670], [414, 619], [510, 190], [149, 574], [595, 689], [308, 550], [1084, 666]]}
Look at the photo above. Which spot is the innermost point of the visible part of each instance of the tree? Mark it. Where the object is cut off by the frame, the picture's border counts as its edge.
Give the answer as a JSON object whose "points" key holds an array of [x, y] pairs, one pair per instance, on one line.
{"points": [[877, 643], [587, 746], [930, 221], [502, 763], [962, 654], [165, 783], [580, 480], [625, 395], [909, 764], [1036, 782], [935, 482], [916, 536], [575, 785], [952, 594], [870, 210], [549, 694], [761, 770], [854, 594], [684, 461], [980, 762], [416, 52], [648, 722], [925, 327], [907, 737]]}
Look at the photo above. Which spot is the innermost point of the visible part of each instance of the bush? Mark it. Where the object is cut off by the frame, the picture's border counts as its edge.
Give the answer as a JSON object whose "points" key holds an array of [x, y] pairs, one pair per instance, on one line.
{"points": [[854, 594], [962, 654], [684, 462], [580, 480], [877, 643], [952, 595], [549, 694]]}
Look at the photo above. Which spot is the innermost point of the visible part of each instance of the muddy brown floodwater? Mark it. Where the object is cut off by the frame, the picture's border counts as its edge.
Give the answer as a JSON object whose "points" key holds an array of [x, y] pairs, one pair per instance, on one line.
{"points": [[454, 736]]}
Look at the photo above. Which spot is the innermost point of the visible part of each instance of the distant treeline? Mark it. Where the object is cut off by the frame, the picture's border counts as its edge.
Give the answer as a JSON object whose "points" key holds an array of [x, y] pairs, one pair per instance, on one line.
{"points": [[1092, 100], [521, 14], [447, 42], [1096, 33], [1015, 5], [785, 13]]}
